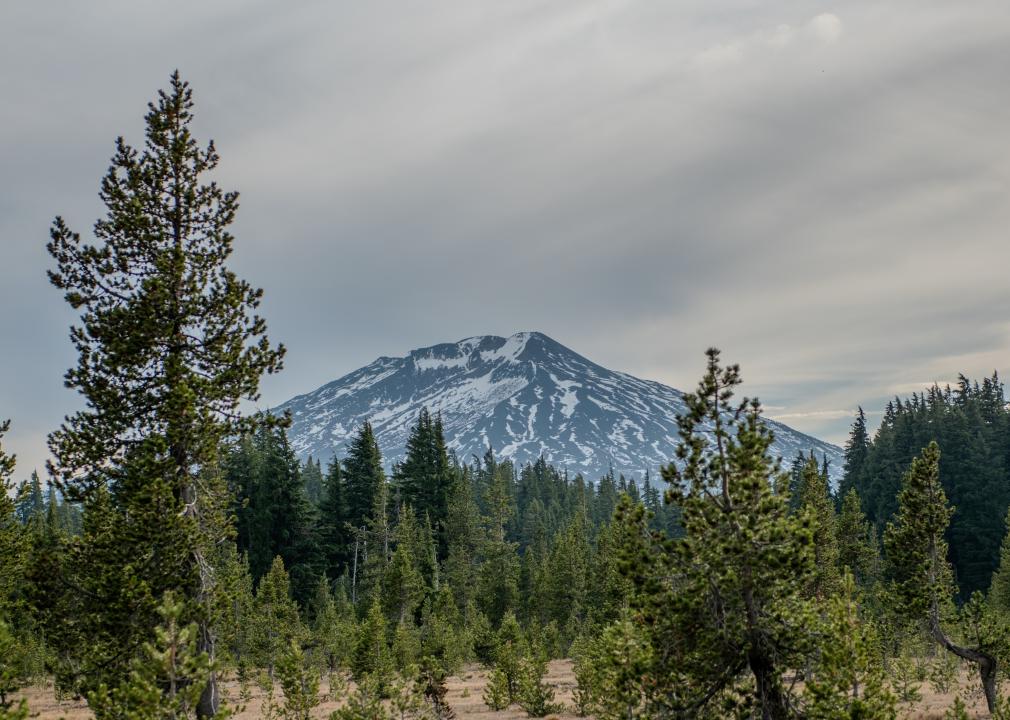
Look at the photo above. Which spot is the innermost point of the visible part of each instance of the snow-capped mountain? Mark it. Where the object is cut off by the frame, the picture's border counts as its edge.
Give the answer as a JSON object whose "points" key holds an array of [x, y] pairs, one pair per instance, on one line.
{"points": [[524, 395]]}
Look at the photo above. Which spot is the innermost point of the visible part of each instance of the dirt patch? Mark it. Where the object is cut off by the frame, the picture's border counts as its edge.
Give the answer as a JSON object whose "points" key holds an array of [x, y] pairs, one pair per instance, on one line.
{"points": [[465, 697]]}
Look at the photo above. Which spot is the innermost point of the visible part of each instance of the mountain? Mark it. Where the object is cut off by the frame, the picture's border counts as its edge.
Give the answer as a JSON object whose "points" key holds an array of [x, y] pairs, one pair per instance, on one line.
{"points": [[524, 395]]}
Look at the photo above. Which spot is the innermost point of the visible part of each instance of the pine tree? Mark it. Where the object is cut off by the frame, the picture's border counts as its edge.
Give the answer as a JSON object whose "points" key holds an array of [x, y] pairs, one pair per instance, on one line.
{"points": [[276, 622], [857, 541], [403, 584], [280, 520], [917, 557], [613, 672], [498, 576], [312, 481], [13, 544], [568, 571], [464, 537], [166, 680], [375, 541], [742, 554], [31, 506], [235, 607], [371, 652], [334, 535], [425, 477], [857, 449], [168, 344], [333, 629], [362, 476], [999, 589], [815, 498], [11, 677], [849, 680], [299, 682]]}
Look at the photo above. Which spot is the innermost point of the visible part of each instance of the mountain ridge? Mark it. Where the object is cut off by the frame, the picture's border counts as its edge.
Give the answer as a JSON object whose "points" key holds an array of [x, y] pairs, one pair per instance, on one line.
{"points": [[524, 395]]}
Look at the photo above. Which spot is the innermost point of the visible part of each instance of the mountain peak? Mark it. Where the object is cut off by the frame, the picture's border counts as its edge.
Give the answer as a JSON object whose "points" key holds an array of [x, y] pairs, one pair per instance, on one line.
{"points": [[525, 395]]}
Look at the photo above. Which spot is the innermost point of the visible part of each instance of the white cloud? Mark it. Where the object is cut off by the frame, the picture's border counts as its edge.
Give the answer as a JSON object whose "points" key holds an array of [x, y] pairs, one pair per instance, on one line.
{"points": [[826, 27]]}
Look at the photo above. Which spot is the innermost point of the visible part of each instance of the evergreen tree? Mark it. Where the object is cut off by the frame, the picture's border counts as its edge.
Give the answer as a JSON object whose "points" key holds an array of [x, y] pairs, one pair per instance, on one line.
{"points": [[279, 519], [334, 533], [276, 622], [166, 680], [849, 680], [857, 448], [815, 499], [235, 609], [498, 576], [403, 584], [917, 557], [31, 505], [13, 544], [375, 549], [568, 572], [970, 423], [999, 589], [371, 653], [168, 343], [857, 541], [741, 565], [333, 628], [425, 477], [312, 481], [362, 476], [464, 536], [613, 672]]}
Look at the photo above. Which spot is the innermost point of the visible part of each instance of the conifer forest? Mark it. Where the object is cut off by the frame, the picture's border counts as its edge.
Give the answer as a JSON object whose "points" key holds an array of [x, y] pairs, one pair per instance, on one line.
{"points": [[178, 559]]}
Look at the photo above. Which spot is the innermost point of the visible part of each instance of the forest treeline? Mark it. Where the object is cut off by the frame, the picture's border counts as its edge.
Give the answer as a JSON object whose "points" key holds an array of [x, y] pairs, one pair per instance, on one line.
{"points": [[971, 424], [178, 541]]}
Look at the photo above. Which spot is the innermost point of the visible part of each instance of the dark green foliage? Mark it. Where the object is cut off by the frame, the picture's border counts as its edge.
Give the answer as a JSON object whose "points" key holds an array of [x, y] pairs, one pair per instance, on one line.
{"points": [[858, 549], [335, 535], [857, 449], [275, 622], [741, 566], [362, 477], [13, 545], [815, 499], [424, 479], [849, 680], [971, 425], [917, 559], [372, 655], [612, 671], [165, 681], [274, 517], [168, 347], [999, 589]]}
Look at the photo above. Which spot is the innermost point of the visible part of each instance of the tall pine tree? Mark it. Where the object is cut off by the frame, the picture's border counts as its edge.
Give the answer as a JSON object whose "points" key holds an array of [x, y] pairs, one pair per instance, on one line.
{"points": [[917, 557], [168, 343]]}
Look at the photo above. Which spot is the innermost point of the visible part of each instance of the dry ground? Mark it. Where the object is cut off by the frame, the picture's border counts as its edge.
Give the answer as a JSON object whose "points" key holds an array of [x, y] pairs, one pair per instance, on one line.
{"points": [[465, 697]]}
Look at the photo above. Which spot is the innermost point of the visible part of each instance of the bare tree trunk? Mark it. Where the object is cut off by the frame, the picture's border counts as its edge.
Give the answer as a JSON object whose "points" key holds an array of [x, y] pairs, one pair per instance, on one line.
{"points": [[210, 700], [987, 665], [354, 572]]}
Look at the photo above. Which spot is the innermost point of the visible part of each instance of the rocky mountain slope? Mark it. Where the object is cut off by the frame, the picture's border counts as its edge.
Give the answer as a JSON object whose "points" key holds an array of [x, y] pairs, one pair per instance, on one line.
{"points": [[524, 395]]}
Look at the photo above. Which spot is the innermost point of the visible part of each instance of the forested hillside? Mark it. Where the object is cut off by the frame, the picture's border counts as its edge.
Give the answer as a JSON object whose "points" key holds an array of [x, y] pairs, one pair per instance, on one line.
{"points": [[971, 425], [180, 547]]}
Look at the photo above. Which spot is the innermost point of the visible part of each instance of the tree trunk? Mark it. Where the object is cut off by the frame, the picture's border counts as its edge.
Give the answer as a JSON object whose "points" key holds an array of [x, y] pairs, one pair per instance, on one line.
{"points": [[771, 700], [986, 663], [210, 701]]}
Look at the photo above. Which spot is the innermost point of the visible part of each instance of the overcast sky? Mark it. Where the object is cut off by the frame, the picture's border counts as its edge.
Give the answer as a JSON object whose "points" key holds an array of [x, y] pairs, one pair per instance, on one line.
{"points": [[818, 188]]}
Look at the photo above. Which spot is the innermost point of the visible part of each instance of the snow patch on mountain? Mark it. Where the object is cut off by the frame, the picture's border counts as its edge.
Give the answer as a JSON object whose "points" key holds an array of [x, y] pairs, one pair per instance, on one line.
{"points": [[523, 395]]}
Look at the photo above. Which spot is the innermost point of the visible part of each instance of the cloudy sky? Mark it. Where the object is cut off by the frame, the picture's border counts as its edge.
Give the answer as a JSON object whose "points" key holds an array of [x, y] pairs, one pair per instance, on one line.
{"points": [[818, 188]]}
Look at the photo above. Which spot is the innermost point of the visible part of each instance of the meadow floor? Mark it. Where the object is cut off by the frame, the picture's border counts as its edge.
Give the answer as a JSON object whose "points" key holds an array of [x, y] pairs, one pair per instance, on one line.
{"points": [[465, 698]]}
